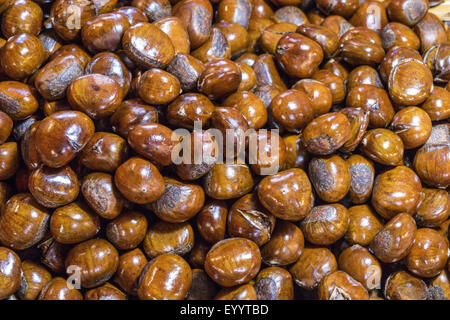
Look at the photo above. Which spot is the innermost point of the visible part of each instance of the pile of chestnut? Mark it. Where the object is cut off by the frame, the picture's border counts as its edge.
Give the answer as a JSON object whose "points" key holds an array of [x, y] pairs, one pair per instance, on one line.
{"points": [[355, 93]]}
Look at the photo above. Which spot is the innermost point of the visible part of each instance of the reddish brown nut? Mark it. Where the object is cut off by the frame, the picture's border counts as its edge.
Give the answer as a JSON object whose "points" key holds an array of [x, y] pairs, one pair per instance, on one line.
{"points": [[272, 33], [430, 161], [408, 12], [434, 209], [96, 95], [53, 188], [243, 292], [363, 75], [9, 160], [23, 16], [325, 224], [326, 38], [10, 272], [173, 27], [333, 82], [158, 87], [394, 241], [133, 14], [58, 289], [249, 219], [337, 24], [74, 223], [436, 58], [148, 46], [373, 100], [233, 261], [211, 221], [403, 286], [17, 100], [371, 15], [104, 32], [437, 105], [153, 9], [327, 133], [198, 253], [105, 292], [362, 266], [267, 73], [359, 51], [217, 47], [362, 174], [153, 141], [292, 110], [95, 259], [430, 31], [139, 181], [439, 287], [164, 237], [161, 270], [274, 283], [228, 180], [104, 152], [413, 125], [267, 152], [339, 285], [131, 113], [61, 136], [276, 191], [340, 7], [54, 78], [236, 35], [188, 108], [53, 255], [131, 264], [359, 121], [383, 146], [410, 82], [395, 191], [248, 77], [179, 201], [101, 194], [251, 107], [285, 246], [395, 34], [330, 177], [219, 79], [319, 95], [34, 278], [428, 254], [127, 230], [298, 55], [363, 225]]}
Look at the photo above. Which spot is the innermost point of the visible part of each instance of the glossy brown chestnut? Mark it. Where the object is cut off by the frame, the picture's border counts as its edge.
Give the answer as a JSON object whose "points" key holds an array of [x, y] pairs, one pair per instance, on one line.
{"points": [[188, 108], [437, 105], [127, 230], [10, 275], [233, 261], [251, 107], [274, 283], [395, 191], [202, 288], [272, 33], [296, 154], [105, 292], [219, 79], [228, 180], [363, 75], [17, 100], [383, 146], [397, 34], [179, 202], [101, 194], [131, 264], [434, 209], [325, 224], [139, 181], [158, 87], [96, 260], [276, 191], [161, 270], [362, 174], [429, 253], [22, 16], [319, 95], [74, 223], [285, 246], [267, 73], [6, 126], [173, 27], [430, 31], [53, 188], [403, 286], [187, 69], [243, 292], [339, 285], [58, 289], [211, 221], [314, 264], [408, 12], [34, 278], [333, 82], [413, 125], [364, 224], [371, 15], [216, 47], [164, 238], [9, 160], [394, 241], [330, 177]]}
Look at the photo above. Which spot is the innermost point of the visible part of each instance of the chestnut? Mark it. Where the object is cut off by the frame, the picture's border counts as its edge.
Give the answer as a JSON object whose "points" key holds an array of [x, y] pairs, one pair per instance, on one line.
{"points": [[395, 191], [267, 73], [233, 261], [403, 286], [58, 289], [325, 224], [408, 12], [326, 133], [228, 180], [413, 125], [272, 33], [105, 292], [274, 283], [22, 16], [296, 154], [127, 230], [394, 241], [173, 27], [319, 95], [434, 209], [9, 160], [164, 237], [131, 264], [211, 221], [165, 268], [383, 146], [188, 108], [6, 126], [10, 275], [96, 260], [34, 278], [251, 107], [330, 177], [396, 34], [363, 225], [243, 292], [290, 14], [339, 285], [202, 287], [17, 100], [436, 104], [101, 194], [216, 47], [276, 191], [219, 79], [156, 86]]}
